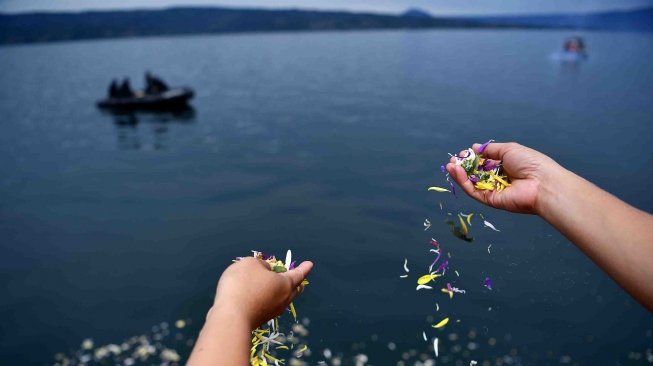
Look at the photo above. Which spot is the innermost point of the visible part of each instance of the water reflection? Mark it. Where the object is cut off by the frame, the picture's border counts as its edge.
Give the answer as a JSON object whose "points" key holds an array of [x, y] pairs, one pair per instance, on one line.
{"points": [[135, 129]]}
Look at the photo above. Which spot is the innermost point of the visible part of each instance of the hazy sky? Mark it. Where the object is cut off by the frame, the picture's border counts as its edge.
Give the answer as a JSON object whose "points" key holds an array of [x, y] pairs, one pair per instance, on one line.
{"points": [[386, 6]]}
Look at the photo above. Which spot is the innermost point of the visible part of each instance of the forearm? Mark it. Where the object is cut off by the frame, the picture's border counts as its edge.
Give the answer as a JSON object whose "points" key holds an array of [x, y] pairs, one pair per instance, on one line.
{"points": [[224, 340], [616, 236]]}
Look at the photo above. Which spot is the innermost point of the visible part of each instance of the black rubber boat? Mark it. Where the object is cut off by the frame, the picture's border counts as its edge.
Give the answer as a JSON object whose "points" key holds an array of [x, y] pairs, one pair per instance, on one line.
{"points": [[170, 100]]}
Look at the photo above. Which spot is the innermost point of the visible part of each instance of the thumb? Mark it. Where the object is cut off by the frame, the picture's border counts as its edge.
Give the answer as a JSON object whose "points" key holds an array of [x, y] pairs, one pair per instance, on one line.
{"points": [[299, 273]]}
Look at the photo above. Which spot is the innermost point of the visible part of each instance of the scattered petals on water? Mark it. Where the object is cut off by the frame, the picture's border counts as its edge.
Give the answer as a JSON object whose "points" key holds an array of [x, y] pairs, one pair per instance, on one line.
{"points": [[438, 189], [427, 224], [423, 287], [489, 224], [442, 323], [406, 265], [403, 276], [424, 336]]}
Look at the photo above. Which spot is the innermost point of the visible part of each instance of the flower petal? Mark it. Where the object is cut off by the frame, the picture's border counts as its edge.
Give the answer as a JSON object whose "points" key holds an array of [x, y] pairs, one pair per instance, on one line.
{"points": [[442, 323], [438, 189]]}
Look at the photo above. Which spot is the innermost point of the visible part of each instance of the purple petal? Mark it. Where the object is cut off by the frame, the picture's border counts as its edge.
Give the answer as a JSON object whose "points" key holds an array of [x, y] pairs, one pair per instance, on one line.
{"points": [[442, 168], [442, 266], [482, 148], [474, 178], [292, 265], [488, 283], [488, 165], [453, 189]]}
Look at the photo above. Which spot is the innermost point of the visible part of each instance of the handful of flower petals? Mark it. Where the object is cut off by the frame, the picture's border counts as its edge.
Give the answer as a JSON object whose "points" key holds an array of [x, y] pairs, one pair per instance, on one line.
{"points": [[486, 174], [269, 336]]}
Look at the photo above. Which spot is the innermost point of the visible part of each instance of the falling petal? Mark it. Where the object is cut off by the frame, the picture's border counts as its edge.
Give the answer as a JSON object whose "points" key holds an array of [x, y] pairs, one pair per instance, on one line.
{"points": [[435, 347], [488, 283], [488, 249], [406, 265], [423, 287], [442, 323], [293, 312], [457, 274], [437, 307], [489, 224], [403, 276], [438, 189], [424, 336], [442, 168], [463, 226], [427, 278]]}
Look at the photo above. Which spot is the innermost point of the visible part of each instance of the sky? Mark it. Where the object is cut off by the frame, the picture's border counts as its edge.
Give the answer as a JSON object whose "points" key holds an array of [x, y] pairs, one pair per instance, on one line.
{"points": [[436, 7]]}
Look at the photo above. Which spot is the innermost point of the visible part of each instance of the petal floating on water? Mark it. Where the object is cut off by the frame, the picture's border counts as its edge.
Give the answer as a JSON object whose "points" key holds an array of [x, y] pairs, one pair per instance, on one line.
{"points": [[423, 287], [406, 265]]}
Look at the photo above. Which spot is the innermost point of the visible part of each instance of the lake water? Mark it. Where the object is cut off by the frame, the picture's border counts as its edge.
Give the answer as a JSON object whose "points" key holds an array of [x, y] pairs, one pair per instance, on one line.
{"points": [[323, 143]]}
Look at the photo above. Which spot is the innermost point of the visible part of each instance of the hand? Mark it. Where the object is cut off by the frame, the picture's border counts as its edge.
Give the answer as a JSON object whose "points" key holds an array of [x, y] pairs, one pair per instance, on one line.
{"points": [[248, 288], [531, 174]]}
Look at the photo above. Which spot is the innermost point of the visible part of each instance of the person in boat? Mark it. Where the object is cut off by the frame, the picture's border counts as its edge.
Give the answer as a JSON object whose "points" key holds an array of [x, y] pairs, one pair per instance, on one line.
{"points": [[154, 85], [575, 45], [125, 90], [113, 89]]}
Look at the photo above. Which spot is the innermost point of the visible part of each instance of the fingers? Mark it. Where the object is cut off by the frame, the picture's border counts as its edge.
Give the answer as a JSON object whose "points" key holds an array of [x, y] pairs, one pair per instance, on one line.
{"points": [[495, 151], [460, 176], [299, 273]]}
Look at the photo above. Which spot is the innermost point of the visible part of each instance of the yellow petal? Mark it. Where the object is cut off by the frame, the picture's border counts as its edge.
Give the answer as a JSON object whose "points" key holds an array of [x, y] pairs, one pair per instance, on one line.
{"points": [[442, 323], [303, 349], [469, 218], [462, 225], [282, 347], [438, 189], [426, 279], [484, 186], [293, 312], [498, 178]]}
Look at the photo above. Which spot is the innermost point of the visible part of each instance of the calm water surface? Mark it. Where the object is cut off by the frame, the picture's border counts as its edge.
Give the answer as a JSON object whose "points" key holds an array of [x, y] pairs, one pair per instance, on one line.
{"points": [[322, 143]]}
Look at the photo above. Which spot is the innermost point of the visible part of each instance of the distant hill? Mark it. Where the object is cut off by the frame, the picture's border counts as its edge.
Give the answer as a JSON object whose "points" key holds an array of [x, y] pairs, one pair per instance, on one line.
{"points": [[418, 13], [48, 27], [628, 20]]}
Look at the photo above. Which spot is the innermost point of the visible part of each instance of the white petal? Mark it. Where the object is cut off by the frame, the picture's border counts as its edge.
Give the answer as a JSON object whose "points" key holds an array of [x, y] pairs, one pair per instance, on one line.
{"points": [[406, 265], [435, 347], [288, 259], [423, 287], [489, 224]]}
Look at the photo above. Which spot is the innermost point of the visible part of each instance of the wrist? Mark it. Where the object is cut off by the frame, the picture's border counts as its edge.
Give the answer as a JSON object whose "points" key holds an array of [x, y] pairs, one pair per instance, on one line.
{"points": [[552, 190], [221, 314]]}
